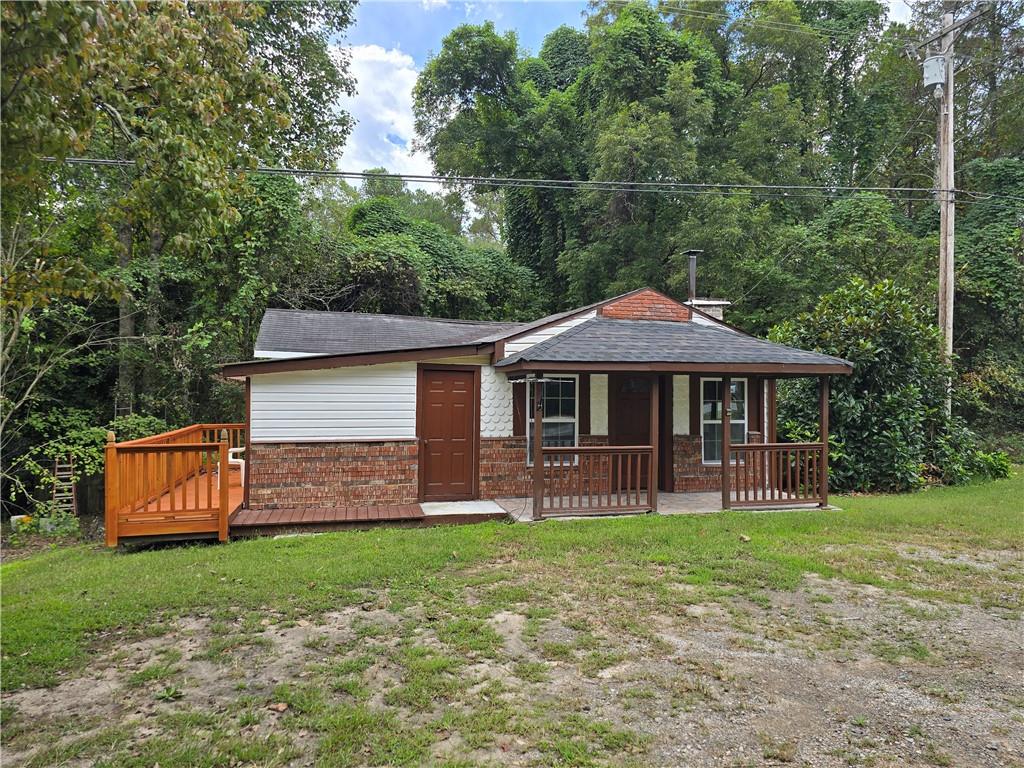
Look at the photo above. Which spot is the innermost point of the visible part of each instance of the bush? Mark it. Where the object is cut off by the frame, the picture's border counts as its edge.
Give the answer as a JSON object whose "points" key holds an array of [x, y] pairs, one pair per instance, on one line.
{"points": [[889, 428], [71, 433]]}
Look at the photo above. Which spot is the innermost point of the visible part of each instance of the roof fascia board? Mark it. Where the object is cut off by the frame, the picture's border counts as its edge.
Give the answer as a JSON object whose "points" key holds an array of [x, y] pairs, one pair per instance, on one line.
{"points": [[777, 369], [323, 362]]}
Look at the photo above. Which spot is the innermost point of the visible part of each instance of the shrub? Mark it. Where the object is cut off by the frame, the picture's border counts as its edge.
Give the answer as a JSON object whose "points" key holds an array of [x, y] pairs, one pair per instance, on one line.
{"points": [[71, 433], [889, 428]]}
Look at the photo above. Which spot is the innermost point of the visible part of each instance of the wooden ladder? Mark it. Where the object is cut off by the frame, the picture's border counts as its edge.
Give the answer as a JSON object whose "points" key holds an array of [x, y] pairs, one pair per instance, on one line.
{"points": [[64, 496]]}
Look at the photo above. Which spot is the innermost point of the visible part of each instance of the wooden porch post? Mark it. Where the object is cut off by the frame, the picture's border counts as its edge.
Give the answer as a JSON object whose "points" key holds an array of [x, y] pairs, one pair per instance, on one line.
{"points": [[652, 476], [726, 448], [823, 393], [538, 442], [225, 482], [248, 441], [110, 491]]}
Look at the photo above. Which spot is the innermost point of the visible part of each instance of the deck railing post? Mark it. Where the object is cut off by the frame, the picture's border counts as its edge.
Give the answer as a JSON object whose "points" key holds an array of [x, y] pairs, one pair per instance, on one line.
{"points": [[726, 448], [538, 444], [225, 482], [823, 397], [110, 486], [652, 475]]}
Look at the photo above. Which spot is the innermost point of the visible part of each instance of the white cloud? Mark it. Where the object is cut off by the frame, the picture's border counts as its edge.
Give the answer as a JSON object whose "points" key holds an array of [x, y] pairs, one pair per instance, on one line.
{"points": [[899, 10], [430, 5], [382, 108]]}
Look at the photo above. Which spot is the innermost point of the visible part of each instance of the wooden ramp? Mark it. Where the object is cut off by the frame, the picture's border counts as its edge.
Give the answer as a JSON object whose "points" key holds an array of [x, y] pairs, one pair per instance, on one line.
{"points": [[247, 522], [255, 522]]}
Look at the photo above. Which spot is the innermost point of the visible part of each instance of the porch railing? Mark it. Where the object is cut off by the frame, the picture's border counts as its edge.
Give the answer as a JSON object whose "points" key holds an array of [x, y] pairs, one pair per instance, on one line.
{"points": [[177, 482], [777, 474], [597, 480]]}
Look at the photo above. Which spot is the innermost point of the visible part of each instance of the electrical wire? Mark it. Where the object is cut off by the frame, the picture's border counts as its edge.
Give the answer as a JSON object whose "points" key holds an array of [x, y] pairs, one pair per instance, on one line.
{"points": [[784, 191]]}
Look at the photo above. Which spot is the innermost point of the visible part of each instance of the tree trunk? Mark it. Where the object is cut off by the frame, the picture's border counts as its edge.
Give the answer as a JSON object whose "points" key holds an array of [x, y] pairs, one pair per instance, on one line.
{"points": [[125, 391], [995, 53], [154, 298]]}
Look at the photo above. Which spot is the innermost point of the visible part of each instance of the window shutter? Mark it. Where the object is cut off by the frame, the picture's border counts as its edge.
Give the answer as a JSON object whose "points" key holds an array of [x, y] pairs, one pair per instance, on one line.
{"points": [[695, 403], [583, 402], [755, 385], [519, 409]]}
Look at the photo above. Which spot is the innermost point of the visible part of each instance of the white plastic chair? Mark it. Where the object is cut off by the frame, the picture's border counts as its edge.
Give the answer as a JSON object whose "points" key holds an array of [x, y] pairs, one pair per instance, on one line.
{"points": [[235, 461]]}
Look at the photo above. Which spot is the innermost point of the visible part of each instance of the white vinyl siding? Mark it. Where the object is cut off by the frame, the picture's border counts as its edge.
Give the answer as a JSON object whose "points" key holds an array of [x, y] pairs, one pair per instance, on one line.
{"points": [[543, 334], [270, 354], [495, 403], [369, 402]]}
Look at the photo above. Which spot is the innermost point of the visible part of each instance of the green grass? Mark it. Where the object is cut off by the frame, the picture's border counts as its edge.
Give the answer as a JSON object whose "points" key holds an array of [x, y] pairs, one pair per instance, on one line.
{"points": [[68, 595]]}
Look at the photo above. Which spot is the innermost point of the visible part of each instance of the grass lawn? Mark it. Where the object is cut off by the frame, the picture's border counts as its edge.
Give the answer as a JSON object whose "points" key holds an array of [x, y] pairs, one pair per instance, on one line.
{"points": [[888, 633]]}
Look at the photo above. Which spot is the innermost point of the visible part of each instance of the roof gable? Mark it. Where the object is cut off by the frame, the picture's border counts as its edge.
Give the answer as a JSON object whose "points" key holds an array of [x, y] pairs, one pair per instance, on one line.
{"points": [[645, 304]]}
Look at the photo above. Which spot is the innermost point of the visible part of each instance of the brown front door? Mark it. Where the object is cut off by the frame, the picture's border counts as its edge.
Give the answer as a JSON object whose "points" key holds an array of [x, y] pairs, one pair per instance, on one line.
{"points": [[447, 428], [629, 417]]}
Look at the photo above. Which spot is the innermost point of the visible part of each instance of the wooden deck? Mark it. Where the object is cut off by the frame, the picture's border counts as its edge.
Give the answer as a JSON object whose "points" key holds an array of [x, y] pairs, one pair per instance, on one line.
{"points": [[250, 518], [191, 507], [169, 485]]}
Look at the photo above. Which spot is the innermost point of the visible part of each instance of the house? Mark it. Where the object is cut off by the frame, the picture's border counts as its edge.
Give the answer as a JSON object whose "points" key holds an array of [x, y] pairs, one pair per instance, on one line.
{"points": [[596, 410]]}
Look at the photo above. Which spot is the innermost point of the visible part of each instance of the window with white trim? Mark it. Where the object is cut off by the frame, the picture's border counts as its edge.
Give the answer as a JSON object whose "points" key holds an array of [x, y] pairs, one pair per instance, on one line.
{"points": [[561, 413], [711, 416]]}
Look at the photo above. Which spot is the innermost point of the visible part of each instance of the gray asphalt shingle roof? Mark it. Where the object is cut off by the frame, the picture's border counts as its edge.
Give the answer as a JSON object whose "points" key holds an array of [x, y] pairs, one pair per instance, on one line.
{"points": [[603, 340], [336, 333]]}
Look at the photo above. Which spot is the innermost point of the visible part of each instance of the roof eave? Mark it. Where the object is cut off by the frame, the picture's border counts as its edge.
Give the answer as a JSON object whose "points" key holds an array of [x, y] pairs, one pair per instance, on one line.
{"points": [[779, 370], [323, 362]]}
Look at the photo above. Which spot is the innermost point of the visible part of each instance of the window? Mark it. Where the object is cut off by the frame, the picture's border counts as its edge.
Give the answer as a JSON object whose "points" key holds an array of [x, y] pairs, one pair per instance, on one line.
{"points": [[560, 414], [711, 416]]}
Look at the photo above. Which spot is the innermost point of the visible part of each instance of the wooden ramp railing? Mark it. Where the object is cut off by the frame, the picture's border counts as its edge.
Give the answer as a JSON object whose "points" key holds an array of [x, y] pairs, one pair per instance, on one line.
{"points": [[597, 480], [777, 474], [177, 482]]}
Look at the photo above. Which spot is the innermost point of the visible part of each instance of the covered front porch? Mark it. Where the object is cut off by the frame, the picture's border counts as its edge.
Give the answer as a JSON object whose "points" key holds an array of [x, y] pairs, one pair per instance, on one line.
{"points": [[685, 407], [635, 469]]}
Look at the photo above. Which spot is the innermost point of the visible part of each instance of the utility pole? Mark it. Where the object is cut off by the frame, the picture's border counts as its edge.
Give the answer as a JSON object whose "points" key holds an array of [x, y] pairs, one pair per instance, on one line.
{"points": [[938, 74], [947, 205]]}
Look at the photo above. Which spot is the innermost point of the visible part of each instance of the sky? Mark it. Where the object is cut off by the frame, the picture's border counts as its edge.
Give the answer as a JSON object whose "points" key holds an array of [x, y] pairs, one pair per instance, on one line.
{"points": [[390, 42]]}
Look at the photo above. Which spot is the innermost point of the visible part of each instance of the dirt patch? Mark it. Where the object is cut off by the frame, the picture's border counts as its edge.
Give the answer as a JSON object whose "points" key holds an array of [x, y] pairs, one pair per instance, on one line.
{"points": [[829, 674]]}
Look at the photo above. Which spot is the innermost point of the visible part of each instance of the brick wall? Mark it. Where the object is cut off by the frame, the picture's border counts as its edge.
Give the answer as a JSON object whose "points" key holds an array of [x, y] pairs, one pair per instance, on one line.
{"points": [[646, 305], [296, 475], [689, 473], [503, 469]]}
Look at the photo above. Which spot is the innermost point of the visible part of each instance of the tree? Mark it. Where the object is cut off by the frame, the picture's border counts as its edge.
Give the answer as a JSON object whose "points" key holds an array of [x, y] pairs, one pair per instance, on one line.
{"points": [[294, 43], [889, 431], [188, 96]]}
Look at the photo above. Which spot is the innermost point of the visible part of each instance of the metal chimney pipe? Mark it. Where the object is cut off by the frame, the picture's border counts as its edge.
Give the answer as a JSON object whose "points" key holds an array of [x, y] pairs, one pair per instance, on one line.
{"points": [[693, 273]]}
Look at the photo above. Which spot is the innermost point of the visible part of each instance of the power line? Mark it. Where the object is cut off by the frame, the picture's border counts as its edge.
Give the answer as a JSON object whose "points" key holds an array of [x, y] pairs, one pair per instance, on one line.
{"points": [[789, 191]]}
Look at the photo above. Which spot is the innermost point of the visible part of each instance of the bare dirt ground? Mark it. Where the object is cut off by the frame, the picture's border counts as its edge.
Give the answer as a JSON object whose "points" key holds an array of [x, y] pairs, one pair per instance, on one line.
{"points": [[541, 668]]}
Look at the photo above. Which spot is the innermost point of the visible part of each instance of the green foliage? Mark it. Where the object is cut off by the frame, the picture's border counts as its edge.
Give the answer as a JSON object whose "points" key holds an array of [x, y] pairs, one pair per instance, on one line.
{"points": [[990, 302], [295, 42], [62, 434], [780, 93], [566, 51], [888, 426], [46, 519]]}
